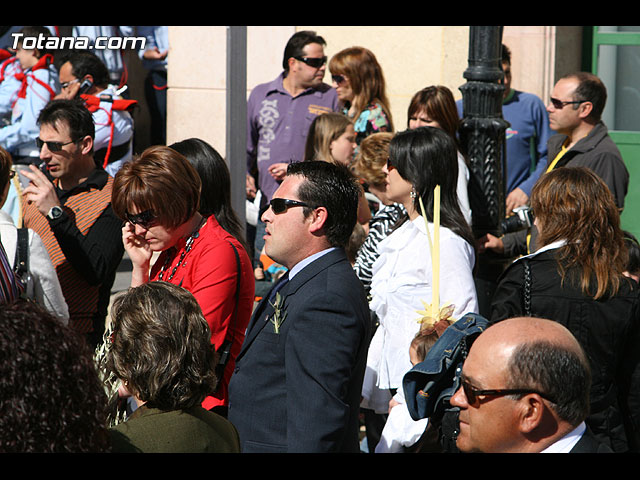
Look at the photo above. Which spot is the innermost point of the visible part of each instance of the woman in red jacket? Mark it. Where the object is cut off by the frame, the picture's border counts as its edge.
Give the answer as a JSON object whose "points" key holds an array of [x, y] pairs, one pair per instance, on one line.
{"points": [[157, 195]]}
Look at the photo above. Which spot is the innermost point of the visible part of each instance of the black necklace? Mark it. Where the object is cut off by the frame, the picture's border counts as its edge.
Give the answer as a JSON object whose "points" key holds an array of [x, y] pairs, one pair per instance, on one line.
{"points": [[187, 249]]}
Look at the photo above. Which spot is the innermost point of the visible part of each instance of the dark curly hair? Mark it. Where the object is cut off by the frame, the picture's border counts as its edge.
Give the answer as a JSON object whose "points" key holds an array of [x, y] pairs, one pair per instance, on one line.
{"points": [[162, 346], [51, 398]]}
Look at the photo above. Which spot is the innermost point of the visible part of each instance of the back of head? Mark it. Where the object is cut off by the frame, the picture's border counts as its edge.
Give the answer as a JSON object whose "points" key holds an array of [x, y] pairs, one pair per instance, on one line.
{"points": [[324, 129], [372, 156], [296, 44], [162, 346], [331, 186], [633, 248], [162, 180], [546, 357], [52, 399], [575, 205], [71, 113], [5, 168]]}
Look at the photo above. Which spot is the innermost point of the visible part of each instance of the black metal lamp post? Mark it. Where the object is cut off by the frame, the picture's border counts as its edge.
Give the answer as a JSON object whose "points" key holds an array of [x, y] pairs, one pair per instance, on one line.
{"points": [[482, 135]]}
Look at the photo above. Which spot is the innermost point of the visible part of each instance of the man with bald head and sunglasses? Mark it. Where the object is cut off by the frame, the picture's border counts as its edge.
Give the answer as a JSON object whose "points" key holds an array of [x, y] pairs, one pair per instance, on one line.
{"points": [[68, 203], [525, 389]]}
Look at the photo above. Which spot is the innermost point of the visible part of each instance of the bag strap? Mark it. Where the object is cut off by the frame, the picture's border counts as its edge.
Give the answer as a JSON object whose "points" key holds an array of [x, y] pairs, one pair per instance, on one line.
{"points": [[527, 288], [224, 351], [21, 263]]}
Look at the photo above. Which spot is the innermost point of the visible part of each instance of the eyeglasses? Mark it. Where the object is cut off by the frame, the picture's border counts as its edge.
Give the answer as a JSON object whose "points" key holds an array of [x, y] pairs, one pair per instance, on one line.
{"points": [[53, 146], [314, 62], [280, 205], [472, 393], [146, 219], [66, 84], [338, 79], [559, 104]]}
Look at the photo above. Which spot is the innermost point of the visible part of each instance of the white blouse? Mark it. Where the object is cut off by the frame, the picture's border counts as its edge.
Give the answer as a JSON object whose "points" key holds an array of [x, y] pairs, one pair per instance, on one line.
{"points": [[402, 279]]}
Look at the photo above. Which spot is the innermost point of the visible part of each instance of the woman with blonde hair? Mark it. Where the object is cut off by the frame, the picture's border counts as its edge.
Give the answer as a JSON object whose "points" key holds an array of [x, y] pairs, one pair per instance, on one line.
{"points": [[331, 138], [358, 78], [576, 277]]}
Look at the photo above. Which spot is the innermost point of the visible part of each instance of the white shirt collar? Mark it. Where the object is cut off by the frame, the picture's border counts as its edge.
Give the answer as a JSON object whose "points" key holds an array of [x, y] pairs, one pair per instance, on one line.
{"points": [[303, 263]]}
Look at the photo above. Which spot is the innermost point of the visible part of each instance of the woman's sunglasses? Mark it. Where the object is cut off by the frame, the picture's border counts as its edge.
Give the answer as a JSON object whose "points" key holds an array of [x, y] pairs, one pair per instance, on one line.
{"points": [[146, 219], [338, 79]]}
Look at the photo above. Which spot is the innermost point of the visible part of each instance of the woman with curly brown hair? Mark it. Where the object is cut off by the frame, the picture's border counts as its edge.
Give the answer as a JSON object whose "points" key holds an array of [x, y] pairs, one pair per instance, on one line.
{"points": [[576, 277], [162, 353], [51, 400]]}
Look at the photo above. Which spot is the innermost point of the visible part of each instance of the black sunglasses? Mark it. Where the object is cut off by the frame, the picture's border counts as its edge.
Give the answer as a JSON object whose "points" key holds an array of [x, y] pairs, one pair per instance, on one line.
{"points": [[146, 219], [559, 104], [280, 205], [53, 146], [338, 78], [472, 393], [314, 62]]}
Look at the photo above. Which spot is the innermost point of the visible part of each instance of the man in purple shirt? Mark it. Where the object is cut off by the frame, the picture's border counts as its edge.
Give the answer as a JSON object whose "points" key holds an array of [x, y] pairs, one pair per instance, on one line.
{"points": [[279, 114]]}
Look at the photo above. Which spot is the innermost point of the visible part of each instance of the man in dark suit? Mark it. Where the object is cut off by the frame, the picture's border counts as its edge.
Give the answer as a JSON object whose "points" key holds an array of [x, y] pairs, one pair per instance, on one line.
{"points": [[298, 377], [525, 388]]}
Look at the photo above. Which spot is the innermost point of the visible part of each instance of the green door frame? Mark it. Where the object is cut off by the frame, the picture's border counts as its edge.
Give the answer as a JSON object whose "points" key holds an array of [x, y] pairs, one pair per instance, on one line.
{"points": [[627, 141]]}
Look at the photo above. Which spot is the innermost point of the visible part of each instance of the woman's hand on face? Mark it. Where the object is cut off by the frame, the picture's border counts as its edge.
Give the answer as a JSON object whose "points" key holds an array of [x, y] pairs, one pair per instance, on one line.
{"points": [[136, 246]]}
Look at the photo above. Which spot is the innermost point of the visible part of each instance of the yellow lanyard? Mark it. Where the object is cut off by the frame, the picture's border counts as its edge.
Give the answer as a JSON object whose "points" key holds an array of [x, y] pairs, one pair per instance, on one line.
{"points": [[552, 165]]}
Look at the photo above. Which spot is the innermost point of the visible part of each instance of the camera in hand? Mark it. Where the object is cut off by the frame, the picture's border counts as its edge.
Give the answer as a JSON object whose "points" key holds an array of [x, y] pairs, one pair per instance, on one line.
{"points": [[522, 218]]}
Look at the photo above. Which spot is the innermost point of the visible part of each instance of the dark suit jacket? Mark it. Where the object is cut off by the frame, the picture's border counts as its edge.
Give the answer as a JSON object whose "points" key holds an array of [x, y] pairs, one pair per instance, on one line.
{"points": [[298, 390], [588, 443]]}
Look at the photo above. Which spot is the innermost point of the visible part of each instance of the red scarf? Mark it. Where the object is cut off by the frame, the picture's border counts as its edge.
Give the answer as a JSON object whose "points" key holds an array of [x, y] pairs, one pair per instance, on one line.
{"points": [[43, 62]]}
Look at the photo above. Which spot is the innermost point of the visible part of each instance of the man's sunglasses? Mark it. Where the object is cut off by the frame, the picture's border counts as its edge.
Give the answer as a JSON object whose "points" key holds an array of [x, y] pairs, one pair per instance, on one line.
{"points": [[146, 219], [280, 205], [559, 104], [338, 79], [53, 146], [472, 393], [314, 62]]}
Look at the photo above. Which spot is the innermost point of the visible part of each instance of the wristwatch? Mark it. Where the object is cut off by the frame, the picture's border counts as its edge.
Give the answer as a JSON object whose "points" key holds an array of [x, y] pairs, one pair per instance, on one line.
{"points": [[54, 212]]}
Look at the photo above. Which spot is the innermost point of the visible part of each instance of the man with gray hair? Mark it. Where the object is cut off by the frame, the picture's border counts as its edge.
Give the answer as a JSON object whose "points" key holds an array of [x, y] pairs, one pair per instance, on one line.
{"points": [[525, 389]]}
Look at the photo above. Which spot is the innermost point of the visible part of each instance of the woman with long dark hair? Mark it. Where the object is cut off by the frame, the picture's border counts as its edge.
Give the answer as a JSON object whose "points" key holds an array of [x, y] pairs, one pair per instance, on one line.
{"points": [[576, 277], [215, 197], [403, 281]]}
